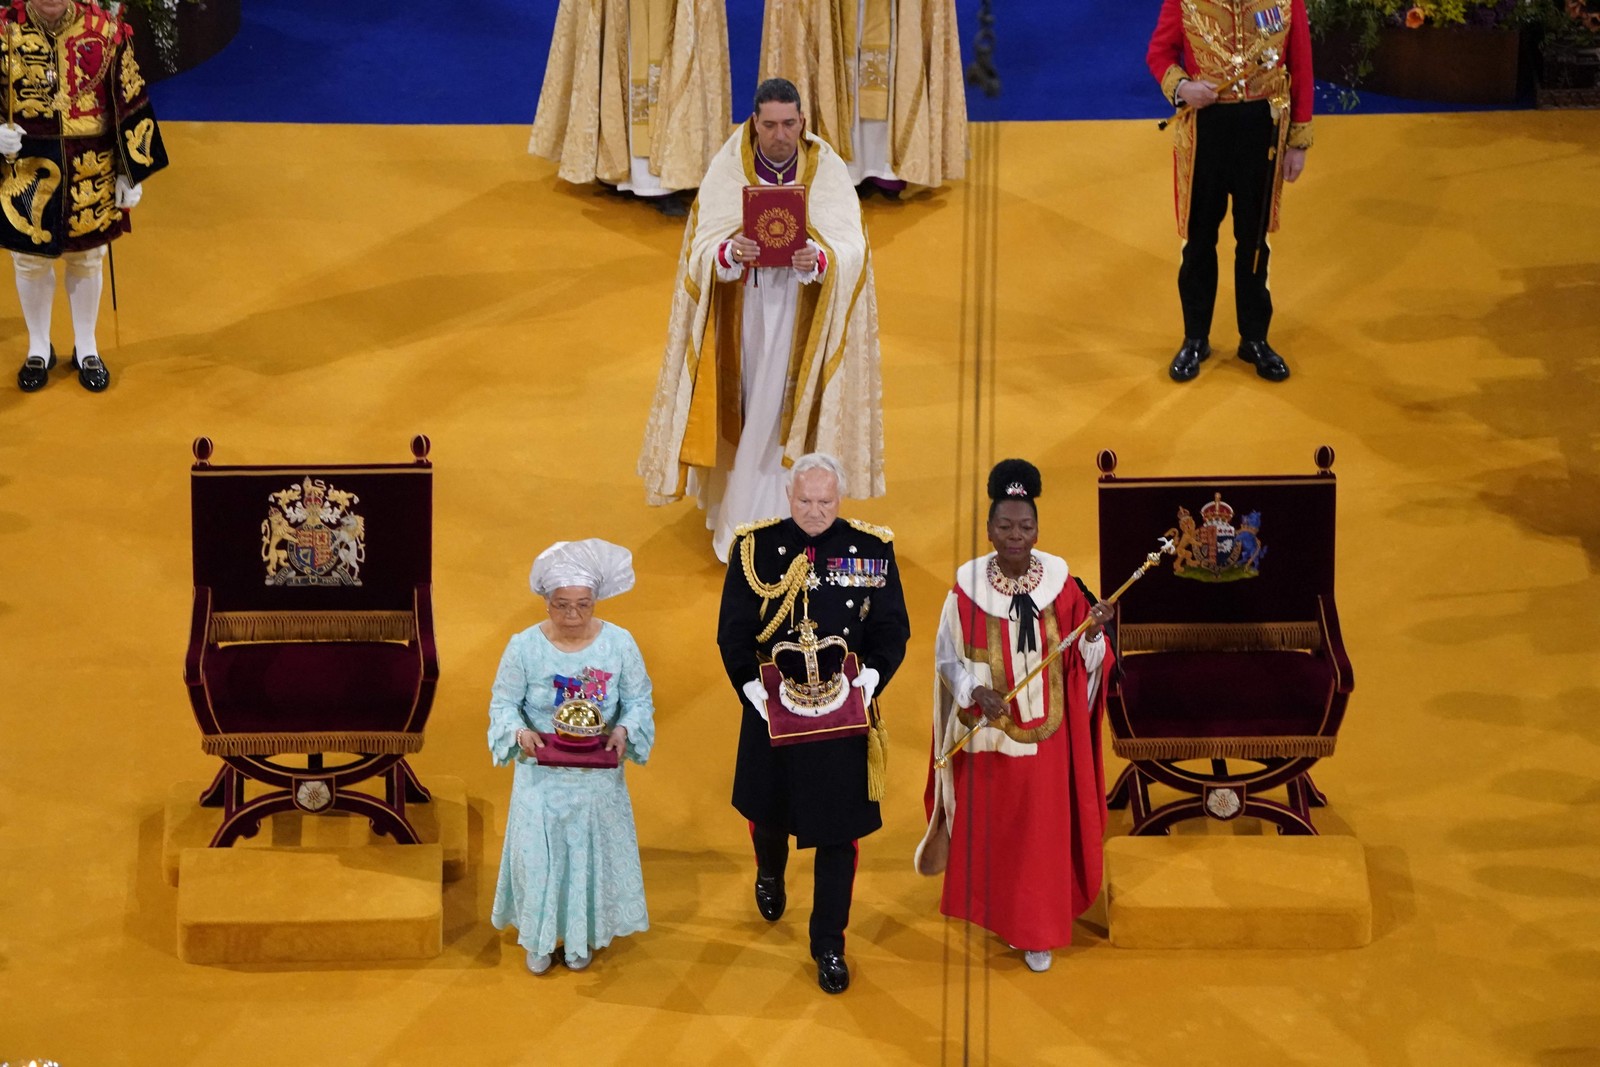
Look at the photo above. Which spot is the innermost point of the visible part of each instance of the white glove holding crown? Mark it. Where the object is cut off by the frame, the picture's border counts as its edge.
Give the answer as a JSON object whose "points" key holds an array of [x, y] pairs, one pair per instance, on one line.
{"points": [[10, 140], [867, 682], [128, 194], [756, 694]]}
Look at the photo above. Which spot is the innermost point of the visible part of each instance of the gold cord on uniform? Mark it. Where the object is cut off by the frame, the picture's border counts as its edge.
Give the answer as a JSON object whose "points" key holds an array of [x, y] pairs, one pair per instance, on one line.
{"points": [[794, 581]]}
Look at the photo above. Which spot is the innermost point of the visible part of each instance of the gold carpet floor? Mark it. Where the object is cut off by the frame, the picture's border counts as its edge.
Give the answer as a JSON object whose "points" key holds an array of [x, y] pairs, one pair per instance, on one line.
{"points": [[322, 293]]}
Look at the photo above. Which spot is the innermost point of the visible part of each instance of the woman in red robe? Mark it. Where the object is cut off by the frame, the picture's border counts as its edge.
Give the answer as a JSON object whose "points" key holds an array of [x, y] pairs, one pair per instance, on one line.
{"points": [[1015, 821]]}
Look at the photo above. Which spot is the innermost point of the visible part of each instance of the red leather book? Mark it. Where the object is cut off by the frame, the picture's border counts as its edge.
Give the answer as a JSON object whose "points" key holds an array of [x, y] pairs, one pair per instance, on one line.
{"points": [[557, 753], [786, 727], [775, 219]]}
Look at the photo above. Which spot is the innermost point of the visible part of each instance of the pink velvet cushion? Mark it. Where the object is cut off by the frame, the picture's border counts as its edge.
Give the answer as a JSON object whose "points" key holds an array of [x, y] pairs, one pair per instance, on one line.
{"points": [[1226, 694], [344, 686]]}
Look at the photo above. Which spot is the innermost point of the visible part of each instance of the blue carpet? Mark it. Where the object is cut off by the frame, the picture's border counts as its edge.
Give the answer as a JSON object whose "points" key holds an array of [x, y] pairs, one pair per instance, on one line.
{"points": [[483, 62]]}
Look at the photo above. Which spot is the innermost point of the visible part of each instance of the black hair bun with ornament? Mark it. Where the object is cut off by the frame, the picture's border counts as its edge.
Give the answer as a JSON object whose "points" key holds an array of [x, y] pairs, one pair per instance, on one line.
{"points": [[1015, 479]]}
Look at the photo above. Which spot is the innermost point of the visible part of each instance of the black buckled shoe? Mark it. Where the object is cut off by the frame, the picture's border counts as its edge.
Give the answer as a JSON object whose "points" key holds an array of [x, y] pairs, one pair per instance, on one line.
{"points": [[34, 374], [771, 898], [1268, 363], [92, 372], [1186, 364], [833, 974]]}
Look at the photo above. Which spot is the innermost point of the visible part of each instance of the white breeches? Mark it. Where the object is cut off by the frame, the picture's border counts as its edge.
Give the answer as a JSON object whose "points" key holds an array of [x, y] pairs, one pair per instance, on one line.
{"points": [[36, 290]]}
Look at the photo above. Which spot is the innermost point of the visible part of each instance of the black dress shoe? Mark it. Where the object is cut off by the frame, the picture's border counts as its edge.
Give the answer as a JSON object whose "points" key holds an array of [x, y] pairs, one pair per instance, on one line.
{"points": [[833, 974], [34, 374], [1268, 363], [1186, 364], [771, 897], [672, 205], [92, 373]]}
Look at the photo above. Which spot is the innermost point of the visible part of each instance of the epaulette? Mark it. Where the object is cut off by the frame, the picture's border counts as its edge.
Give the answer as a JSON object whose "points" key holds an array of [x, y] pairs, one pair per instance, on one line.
{"points": [[751, 527], [882, 533]]}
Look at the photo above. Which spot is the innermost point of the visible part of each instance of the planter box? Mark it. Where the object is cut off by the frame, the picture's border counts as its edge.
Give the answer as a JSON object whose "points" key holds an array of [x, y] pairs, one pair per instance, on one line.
{"points": [[1578, 69], [203, 30], [1569, 78], [1449, 64], [1568, 98]]}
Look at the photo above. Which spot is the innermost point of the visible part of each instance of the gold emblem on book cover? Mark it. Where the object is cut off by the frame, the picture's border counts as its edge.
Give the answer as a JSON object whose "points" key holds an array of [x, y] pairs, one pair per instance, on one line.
{"points": [[776, 227]]}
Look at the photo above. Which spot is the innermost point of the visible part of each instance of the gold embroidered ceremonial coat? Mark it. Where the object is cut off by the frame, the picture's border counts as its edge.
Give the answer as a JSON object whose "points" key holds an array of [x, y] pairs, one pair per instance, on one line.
{"points": [[80, 100], [1249, 50]]}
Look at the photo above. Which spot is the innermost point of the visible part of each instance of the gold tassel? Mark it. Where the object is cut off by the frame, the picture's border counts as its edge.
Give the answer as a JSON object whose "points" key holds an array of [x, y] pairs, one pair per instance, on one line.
{"points": [[877, 755]]}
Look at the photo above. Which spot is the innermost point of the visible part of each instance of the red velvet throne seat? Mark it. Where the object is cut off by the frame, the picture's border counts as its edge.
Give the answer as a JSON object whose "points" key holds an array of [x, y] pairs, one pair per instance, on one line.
{"points": [[1232, 676], [311, 665]]}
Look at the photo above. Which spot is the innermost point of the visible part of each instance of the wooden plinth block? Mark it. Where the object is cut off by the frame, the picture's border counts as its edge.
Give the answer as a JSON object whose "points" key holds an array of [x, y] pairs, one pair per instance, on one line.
{"points": [[299, 905], [1222, 891]]}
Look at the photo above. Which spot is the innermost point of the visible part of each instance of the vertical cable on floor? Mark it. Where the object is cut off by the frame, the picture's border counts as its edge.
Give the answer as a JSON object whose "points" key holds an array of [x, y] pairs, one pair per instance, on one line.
{"points": [[975, 447]]}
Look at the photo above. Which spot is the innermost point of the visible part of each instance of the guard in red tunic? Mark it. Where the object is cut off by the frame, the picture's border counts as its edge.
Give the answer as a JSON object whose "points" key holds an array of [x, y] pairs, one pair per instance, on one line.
{"points": [[79, 137], [1016, 817], [1239, 73]]}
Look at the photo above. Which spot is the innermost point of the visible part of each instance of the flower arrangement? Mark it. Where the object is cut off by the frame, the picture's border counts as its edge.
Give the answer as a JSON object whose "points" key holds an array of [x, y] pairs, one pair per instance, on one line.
{"points": [[1569, 49], [161, 16], [1573, 21], [1363, 21], [1373, 14], [1485, 14]]}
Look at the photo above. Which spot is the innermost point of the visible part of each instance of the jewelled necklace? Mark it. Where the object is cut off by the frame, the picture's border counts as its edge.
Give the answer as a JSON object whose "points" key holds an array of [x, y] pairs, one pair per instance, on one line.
{"points": [[1008, 586]]}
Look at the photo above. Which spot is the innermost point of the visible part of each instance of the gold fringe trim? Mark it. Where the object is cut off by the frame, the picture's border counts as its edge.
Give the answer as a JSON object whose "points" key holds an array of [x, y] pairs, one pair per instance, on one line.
{"points": [[278, 626], [370, 742], [1219, 637], [1181, 748]]}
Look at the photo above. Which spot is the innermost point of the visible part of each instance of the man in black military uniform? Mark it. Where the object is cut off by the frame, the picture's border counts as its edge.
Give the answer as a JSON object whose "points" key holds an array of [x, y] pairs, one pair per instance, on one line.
{"points": [[814, 791]]}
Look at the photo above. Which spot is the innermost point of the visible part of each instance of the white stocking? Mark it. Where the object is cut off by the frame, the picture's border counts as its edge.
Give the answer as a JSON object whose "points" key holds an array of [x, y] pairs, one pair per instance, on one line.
{"points": [[36, 289], [84, 283]]}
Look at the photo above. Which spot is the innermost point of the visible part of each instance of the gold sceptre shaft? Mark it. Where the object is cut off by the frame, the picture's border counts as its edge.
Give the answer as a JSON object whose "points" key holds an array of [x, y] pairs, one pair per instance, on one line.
{"points": [[1167, 548], [11, 87]]}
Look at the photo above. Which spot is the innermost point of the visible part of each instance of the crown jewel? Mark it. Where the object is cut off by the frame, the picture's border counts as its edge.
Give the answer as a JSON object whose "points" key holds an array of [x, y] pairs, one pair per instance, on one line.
{"points": [[579, 723], [813, 695]]}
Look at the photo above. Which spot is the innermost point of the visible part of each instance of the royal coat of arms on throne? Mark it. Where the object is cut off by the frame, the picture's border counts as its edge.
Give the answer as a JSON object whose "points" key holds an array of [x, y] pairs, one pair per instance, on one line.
{"points": [[312, 536], [1216, 550]]}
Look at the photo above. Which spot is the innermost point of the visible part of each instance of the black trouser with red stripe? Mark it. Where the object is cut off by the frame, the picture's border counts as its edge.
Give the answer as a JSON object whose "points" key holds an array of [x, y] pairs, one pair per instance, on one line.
{"points": [[833, 880], [1232, 161]]}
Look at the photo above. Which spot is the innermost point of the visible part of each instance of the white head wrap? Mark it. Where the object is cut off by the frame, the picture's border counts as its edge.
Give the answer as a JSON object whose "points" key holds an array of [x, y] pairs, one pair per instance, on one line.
{"points": [[592, 563]]}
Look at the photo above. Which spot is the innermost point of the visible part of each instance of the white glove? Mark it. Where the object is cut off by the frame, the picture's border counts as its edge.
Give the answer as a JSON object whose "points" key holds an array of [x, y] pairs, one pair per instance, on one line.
{"points": [[867, 682], [756, 694], [10, 140], [128, 194]]}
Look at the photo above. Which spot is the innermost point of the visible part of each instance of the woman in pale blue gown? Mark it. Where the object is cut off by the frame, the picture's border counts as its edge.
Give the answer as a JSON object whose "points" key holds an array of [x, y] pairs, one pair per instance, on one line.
{"points": [[570, 870]]}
